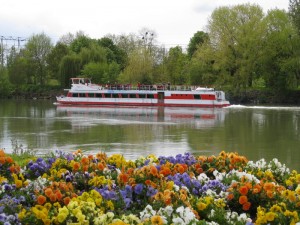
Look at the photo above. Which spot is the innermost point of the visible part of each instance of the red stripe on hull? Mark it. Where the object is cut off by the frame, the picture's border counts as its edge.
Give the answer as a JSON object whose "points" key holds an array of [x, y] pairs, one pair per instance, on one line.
{"points": [[145, 104]]}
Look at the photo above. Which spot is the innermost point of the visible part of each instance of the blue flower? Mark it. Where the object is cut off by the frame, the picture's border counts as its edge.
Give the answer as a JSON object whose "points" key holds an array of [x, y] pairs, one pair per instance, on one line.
{"points": [[138, 189]]}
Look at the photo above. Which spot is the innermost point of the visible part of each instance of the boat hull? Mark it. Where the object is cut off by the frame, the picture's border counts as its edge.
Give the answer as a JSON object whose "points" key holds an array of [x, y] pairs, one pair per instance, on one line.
{"points": [[142, 102]]}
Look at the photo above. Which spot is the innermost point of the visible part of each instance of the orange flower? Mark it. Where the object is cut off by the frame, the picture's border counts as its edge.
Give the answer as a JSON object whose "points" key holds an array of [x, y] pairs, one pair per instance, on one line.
{"points": [[85, 168], [84, 160], [76, 166], [66, 200], [100, 166], [48, 192], [123, 177], [52, 197], [246, 206], [41, 199], [270, 194], [2, 154], [268, 186], [58, 195], [9, 159], [2, 160], [164, 170], [180, 169], [230, 196], [256, 189], [153, 171], [243, 199], [243, 190]]}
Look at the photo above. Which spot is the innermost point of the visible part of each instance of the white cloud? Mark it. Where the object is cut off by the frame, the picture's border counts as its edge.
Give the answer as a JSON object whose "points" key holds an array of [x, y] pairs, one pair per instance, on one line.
{"points": [[174, 21]]}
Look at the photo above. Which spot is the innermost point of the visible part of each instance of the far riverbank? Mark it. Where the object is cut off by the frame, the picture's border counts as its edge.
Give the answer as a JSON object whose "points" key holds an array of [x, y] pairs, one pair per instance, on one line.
{"points": [[249, 97]]}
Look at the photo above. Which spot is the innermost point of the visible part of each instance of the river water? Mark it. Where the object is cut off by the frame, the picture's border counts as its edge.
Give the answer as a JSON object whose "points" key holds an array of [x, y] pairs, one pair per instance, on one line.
{"points": [[253, 131]]}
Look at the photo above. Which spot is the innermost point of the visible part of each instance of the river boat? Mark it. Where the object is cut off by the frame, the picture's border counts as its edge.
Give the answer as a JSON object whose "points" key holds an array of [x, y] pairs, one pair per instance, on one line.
{"points": [[83, 92]]}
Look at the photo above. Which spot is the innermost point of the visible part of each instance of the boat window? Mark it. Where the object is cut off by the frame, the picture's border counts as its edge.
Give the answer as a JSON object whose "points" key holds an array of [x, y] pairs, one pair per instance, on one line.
{"points": [[98, 95], [124, 95], [150, 96], [197, 97], [132, 95], [91, 95], [115, 95], [142, 95], [82, 95], [107, 95]]}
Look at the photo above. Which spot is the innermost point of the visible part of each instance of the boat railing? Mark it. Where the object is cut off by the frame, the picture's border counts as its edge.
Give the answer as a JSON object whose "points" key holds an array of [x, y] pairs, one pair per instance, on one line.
{"points": [[155, 87]]}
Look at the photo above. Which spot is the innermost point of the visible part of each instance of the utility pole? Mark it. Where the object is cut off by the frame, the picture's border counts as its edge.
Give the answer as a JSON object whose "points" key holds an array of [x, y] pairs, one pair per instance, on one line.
{"points": [[10, 41]]}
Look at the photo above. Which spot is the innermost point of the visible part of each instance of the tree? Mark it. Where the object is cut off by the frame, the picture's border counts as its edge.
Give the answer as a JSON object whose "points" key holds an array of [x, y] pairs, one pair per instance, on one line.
{"points": [[278, 63], [236, 42], [69, 67], [54, 59], [175, 65], [114, 53], [36, 50], [139, 68], [198, 39], [294, 10], [81, 41]]}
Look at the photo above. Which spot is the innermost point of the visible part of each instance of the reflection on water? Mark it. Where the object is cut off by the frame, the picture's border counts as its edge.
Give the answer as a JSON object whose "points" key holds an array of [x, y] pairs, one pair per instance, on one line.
{"points": [[256, 132], [92, 116]]}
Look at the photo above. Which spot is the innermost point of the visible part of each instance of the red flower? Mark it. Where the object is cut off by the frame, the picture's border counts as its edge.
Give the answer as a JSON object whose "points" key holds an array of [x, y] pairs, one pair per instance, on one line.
{"points": [[243, 199]]}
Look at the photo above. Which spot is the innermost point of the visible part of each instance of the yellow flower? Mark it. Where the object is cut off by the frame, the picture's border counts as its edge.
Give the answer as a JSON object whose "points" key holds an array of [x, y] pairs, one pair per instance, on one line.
{"points": [[270, 216], [297, 190], [157, 220], [18, 183], [2, 179], [22, 214], [110, 205], [201, 206], [275, 208], [80, 216], [62, 215]]}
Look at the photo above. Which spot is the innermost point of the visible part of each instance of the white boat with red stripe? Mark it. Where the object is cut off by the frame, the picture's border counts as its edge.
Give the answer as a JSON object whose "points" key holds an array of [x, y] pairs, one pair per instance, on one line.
{"points": [[83, 92]]}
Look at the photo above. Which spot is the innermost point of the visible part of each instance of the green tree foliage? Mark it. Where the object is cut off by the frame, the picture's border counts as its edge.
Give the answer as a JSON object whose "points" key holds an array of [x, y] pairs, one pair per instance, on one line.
{"points": [[235, 44], [54, 59], [70, 66], [95, 53], [114, 53], [279, 71], [36, 51], [139, 68], [81, 41], [5, 85], [198, 39], [294, 10], [96, 71], [175, 66]]}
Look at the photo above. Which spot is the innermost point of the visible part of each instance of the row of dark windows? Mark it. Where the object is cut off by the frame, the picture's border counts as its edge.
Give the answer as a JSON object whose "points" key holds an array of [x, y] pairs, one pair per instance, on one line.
{"points": [[122, 95], [111, 95]]}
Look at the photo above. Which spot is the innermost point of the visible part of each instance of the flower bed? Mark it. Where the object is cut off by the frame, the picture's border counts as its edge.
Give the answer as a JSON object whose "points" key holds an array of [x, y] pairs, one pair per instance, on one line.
{"points": [[185, 189]]}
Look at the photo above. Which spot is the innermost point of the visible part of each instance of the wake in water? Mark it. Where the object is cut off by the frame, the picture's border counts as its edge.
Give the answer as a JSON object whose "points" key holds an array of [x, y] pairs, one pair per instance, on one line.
{"points": [[294, 108]]}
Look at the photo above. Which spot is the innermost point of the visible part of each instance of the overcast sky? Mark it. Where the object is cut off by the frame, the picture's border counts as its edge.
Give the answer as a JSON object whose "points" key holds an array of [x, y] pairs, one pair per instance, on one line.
{"points": [[174, 21]]}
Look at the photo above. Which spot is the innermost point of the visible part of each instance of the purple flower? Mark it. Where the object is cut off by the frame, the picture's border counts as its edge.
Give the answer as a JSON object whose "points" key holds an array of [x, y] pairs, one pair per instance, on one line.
{"points": [[151, 191], [128, 202], [138, 189]]}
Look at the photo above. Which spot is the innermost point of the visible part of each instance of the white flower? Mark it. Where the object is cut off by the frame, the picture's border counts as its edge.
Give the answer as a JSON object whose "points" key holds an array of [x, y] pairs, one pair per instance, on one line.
{"points": [[178, 221], [176, 187], [147, 212], [203, 177]]}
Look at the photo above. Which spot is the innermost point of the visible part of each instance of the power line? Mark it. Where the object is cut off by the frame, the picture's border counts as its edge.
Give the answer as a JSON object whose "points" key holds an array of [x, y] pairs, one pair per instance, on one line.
{"points": [[7, 42]]}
